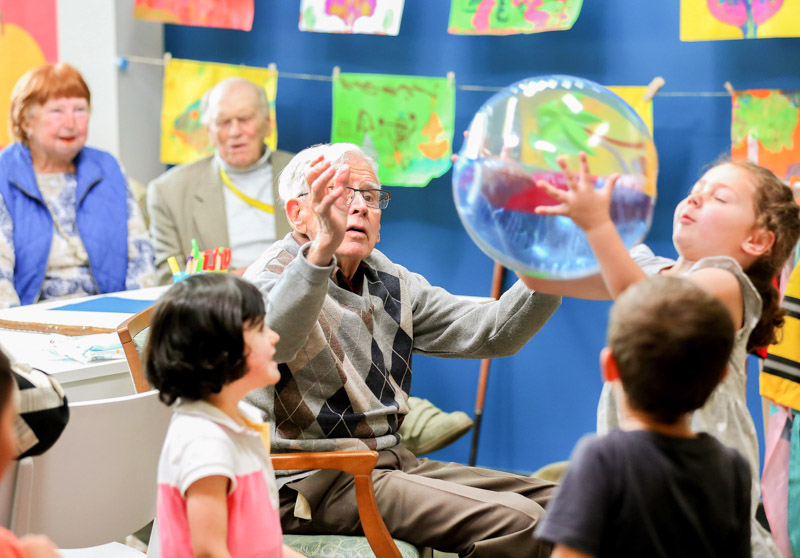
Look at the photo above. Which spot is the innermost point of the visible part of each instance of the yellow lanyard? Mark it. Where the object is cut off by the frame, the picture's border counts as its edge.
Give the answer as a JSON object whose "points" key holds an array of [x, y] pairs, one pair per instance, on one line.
{"points": [[252, 202], [263, 430]]}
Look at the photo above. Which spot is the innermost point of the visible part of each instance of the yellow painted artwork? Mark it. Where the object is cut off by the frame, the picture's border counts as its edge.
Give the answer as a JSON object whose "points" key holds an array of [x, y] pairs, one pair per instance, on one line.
{"points": [[634, 96], [184, 137], [710, 20], [28, 38]]}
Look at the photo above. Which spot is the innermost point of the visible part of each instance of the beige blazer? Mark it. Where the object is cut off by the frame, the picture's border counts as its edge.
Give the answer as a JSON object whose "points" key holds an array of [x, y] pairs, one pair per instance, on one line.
{"points": [[187, 202]]}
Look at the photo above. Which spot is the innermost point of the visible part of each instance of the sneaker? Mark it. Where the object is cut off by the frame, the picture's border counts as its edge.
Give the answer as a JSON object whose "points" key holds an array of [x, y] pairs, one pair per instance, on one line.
{"points": [[427, 428]]}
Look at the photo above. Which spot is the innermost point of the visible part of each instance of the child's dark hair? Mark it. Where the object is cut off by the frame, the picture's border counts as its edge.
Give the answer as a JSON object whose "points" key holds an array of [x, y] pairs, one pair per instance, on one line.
{"points": [[7, 381], [196, 341], [777, 212], [671, 340]]}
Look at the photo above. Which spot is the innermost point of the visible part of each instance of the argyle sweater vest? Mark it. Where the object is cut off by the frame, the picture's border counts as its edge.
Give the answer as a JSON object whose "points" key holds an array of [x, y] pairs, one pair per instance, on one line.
{"points": [[348, 386]]}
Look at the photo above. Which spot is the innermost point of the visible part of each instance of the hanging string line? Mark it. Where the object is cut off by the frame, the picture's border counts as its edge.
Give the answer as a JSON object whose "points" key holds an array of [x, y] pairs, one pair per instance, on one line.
{"points": [[123, 61]]}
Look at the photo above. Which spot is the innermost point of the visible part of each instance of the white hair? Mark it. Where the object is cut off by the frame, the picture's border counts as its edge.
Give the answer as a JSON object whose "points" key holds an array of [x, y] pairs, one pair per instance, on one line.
{"points": [[292, 180], [213, 96]]}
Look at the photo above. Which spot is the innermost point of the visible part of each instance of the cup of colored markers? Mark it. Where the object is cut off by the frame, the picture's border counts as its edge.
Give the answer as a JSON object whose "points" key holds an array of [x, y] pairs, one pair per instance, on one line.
{"points": [[205, 261]]}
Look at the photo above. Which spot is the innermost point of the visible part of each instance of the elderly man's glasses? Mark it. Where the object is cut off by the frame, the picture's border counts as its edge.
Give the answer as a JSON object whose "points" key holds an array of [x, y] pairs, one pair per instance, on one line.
{"points": [[376, 199]]}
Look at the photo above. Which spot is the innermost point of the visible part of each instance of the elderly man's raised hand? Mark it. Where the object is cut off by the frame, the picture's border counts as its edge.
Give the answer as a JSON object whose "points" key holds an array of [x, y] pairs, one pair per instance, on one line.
{"points": [[329, 209]]}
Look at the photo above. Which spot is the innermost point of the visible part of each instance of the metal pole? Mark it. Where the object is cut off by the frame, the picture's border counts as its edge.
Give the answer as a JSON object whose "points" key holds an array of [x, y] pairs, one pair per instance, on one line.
{"points": [[483, 379]]}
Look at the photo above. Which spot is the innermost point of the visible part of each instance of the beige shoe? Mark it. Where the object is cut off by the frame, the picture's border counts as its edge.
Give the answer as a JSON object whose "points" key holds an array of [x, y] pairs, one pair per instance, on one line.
{"points": [[552, 472], [427, 428]]}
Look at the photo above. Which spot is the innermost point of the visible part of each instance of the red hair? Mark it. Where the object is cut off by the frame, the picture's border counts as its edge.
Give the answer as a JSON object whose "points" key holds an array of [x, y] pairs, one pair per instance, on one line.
{"points": [[36, 87]]}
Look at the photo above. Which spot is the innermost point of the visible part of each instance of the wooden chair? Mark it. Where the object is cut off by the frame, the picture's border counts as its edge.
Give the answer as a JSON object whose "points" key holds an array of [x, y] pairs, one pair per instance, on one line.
{"points": [[97, 484], [126, 331], [377, 541], [359, 464]]}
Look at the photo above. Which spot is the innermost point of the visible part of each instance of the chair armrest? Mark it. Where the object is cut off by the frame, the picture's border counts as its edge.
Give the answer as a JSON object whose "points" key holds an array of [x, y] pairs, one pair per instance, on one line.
{"points": [[359, 464], [353, 462]]}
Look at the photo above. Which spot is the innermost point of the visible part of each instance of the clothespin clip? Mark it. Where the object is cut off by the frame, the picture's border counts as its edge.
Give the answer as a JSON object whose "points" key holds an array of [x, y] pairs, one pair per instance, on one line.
{"points": [[208, 260], [336, 71], [167, 58], [273, 69], [729, 88], [451, 78], [655, 84], [173, 264]]}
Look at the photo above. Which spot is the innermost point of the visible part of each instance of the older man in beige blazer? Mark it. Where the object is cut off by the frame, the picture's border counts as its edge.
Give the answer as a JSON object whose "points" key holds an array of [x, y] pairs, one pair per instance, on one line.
{"points": [[227, 199]]}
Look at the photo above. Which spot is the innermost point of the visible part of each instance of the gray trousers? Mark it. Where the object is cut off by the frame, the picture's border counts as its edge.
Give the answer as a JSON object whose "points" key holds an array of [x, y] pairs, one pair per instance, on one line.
{"points": [[445, 506]]}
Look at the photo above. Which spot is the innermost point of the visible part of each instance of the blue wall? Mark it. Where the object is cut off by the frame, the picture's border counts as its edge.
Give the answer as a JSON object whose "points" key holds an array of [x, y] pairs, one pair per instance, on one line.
{"points": [[543, 399]]}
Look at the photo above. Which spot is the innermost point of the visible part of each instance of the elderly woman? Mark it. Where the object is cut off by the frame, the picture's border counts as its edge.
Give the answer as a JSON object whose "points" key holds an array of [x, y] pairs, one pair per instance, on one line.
{"points": [[69, 226]]}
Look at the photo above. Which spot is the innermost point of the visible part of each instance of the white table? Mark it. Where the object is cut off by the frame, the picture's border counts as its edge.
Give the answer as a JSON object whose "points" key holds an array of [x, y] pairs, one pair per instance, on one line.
{"points": [[81, 381]]}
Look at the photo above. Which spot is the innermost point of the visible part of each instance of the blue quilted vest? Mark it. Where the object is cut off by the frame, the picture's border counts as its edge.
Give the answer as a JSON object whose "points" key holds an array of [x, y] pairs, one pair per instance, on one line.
{"points": [[101, 218]]}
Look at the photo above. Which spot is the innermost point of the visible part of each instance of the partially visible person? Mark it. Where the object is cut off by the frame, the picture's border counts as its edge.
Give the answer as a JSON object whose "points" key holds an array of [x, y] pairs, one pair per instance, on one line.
{"points": [[43, 410], [50, 181], [207, 348], [350, 321], [733, 233], [29, 546], [654, 487], [229, 198]]}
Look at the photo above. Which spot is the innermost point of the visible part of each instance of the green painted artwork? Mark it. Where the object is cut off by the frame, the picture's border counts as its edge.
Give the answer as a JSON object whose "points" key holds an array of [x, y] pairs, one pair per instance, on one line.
{"points": [[765, 129], [405, 122], [769, 119], [510, 17]]}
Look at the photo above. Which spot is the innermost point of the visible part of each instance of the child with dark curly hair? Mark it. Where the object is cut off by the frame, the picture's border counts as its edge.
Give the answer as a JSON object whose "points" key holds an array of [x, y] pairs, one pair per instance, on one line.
{"points": [[208, 347]]}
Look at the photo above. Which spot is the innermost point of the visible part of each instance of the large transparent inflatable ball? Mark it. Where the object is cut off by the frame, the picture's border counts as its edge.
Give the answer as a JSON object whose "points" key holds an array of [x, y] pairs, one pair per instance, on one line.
{"points": [[514, 141]]}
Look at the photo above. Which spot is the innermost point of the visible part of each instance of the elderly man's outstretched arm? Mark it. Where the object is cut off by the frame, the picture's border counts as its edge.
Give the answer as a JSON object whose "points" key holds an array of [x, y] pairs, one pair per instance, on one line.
{"points": [[450, 327]]}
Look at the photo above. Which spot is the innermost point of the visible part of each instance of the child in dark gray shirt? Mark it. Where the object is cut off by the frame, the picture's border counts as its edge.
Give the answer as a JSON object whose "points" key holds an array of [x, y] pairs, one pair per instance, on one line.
{"points": [[654, 488]]}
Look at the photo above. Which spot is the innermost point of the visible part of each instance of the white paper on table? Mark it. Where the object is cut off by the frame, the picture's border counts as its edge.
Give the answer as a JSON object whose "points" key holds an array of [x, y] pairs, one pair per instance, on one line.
{"points": [[87, 348]]}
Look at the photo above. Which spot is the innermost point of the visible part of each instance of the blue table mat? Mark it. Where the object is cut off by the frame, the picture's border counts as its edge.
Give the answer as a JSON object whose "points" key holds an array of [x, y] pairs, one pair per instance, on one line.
{"points": [[108, 304]]}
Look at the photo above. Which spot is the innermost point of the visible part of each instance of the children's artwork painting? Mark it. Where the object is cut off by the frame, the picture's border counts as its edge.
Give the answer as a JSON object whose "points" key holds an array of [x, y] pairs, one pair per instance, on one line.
{"points": [[709, 20], [405, 122], [184, 137], [376, 17], [765, 130], [511, 17], [28, 38], [230, 14], [634, 96]]}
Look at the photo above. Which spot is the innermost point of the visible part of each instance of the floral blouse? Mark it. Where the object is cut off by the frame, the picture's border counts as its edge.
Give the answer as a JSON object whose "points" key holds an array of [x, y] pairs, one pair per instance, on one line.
{"points": [[68, 274]]}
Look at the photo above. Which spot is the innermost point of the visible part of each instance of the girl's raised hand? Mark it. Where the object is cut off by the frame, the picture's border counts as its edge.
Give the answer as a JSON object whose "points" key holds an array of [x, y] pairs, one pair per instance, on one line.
{"points": [[586, 206]]}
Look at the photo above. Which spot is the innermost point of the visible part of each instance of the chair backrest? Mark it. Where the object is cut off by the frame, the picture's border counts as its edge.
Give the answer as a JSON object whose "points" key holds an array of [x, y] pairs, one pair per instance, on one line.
{"points": [[126, 331], [97, 484]]}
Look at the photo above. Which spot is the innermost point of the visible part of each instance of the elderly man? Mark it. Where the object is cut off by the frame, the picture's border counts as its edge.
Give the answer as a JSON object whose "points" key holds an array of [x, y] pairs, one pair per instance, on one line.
{"points": [[349, 320], [225, 199]]}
